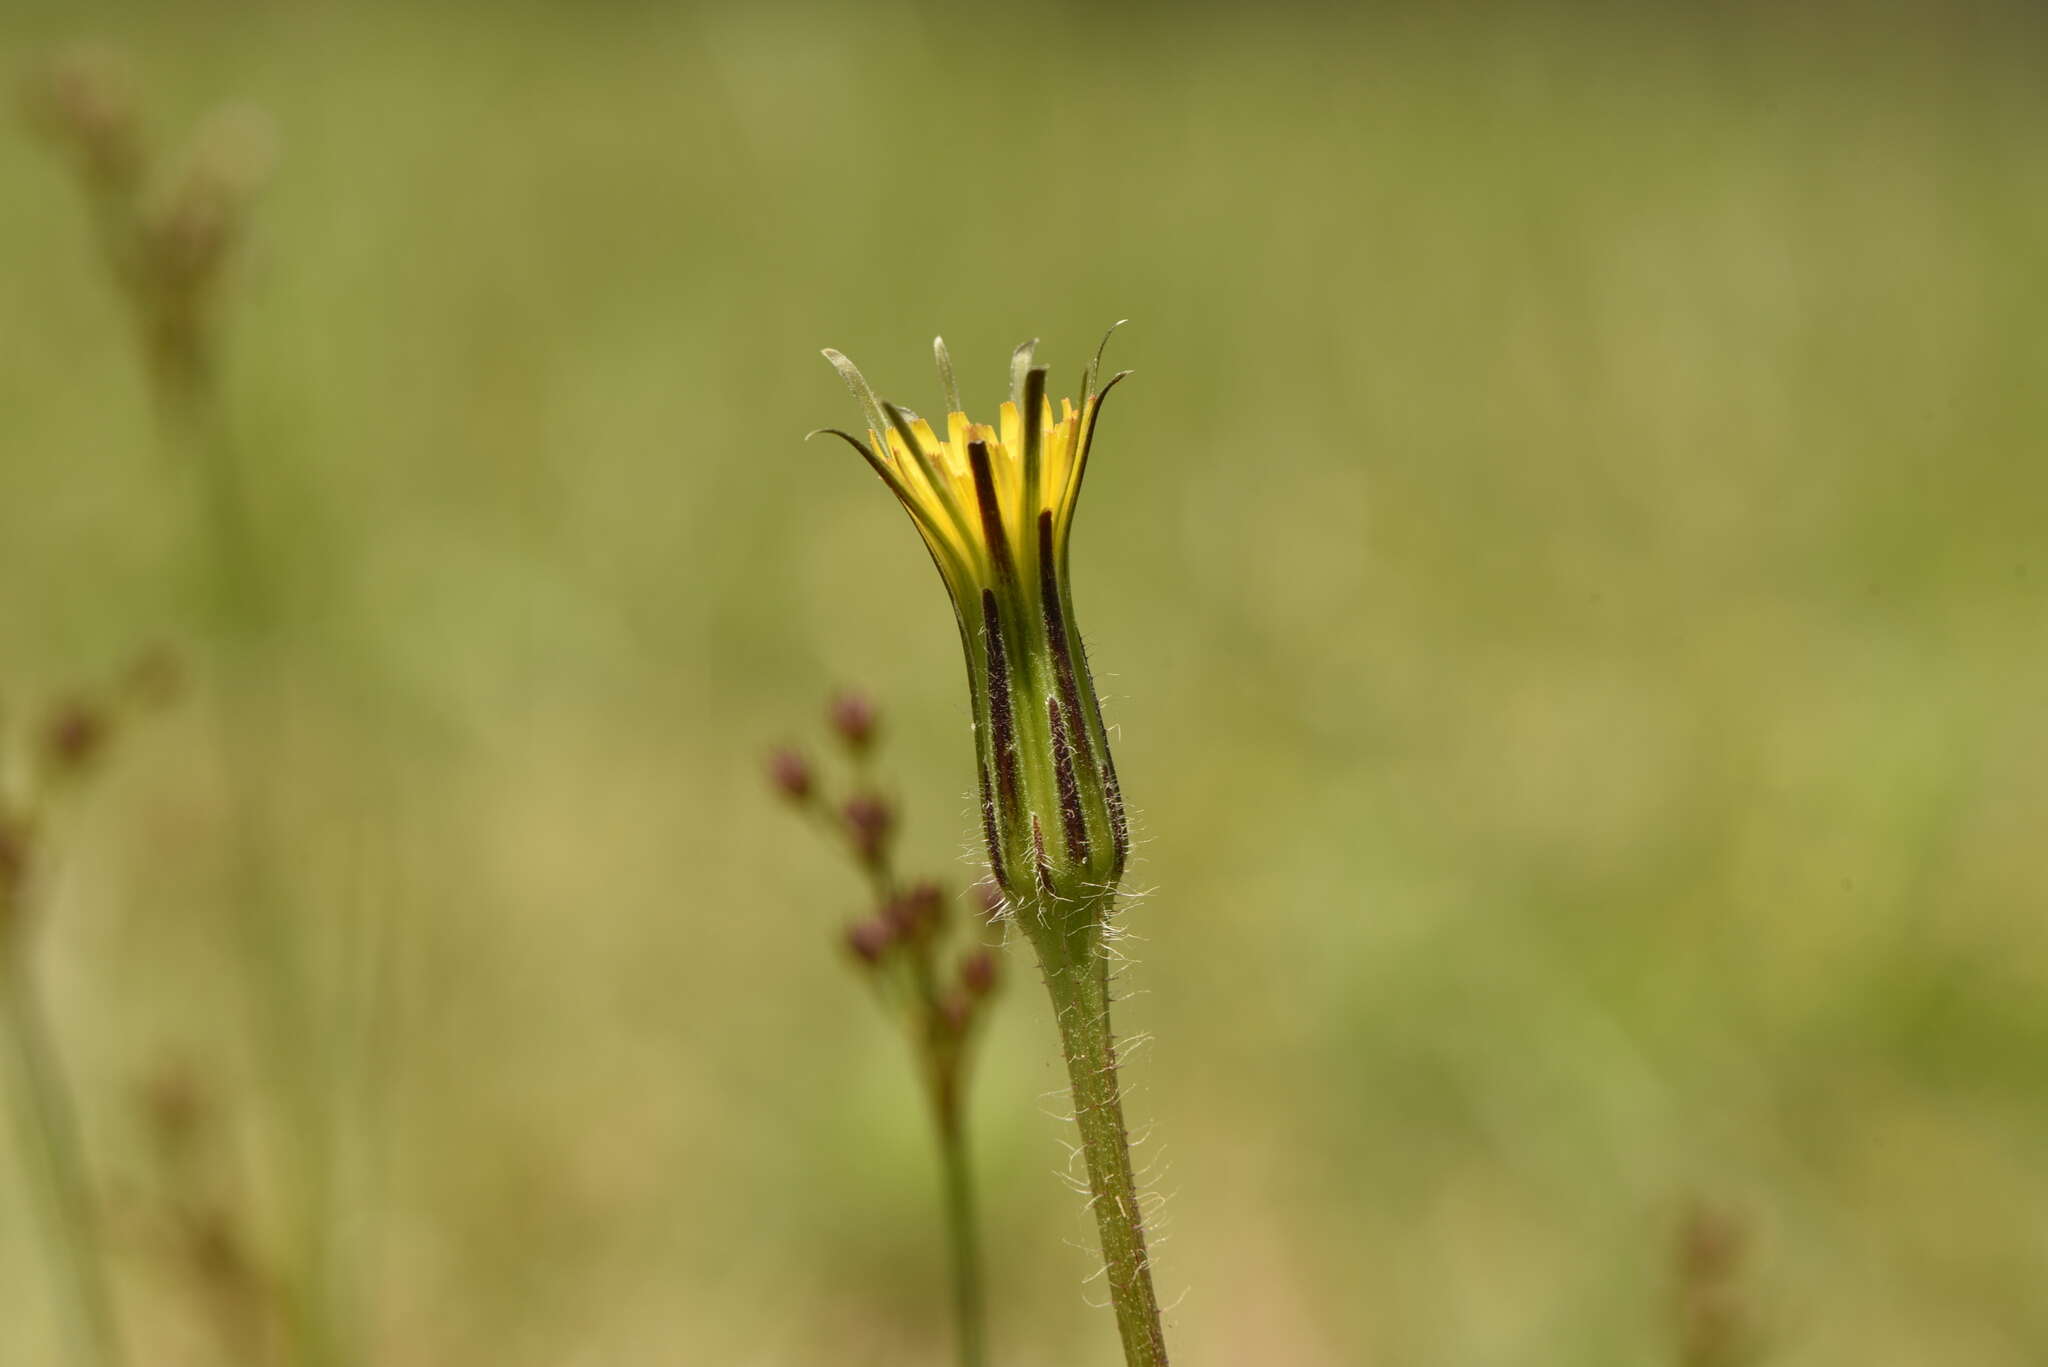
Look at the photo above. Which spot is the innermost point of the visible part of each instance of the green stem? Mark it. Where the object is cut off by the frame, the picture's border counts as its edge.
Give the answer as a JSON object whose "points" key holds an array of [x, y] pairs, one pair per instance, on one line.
{"points": [[1077, 975], [970, 1310], [278, 981], [50, 1132], [943, 1060]]}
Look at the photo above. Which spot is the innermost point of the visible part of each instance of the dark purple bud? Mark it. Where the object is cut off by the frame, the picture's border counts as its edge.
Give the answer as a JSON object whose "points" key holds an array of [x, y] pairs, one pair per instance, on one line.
{"points": [[869, 940], [790, 773], [978, 973], [916, 910], [869, 820], [854, 719], [74, 736]]}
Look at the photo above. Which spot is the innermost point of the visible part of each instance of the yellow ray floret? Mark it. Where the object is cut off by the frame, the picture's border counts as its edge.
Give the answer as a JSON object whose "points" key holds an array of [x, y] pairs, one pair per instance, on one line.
{"points": [[978, 494], [939, 473]]}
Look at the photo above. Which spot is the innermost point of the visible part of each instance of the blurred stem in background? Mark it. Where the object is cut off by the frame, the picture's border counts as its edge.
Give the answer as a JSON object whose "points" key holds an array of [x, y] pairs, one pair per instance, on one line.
{"points": [[168, 232], [36, 778], [970, 1296], [48, 1120], [994, 505], [899, 949], [191, 1213]]}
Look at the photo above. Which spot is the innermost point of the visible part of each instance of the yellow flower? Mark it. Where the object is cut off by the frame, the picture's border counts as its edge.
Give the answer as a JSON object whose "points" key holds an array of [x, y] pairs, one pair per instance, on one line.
{"points": [[995, 506], [979, 493]]}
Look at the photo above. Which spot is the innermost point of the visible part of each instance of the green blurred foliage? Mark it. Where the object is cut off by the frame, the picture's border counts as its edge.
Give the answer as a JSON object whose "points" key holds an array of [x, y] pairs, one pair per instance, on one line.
{"points": [[1567, 574]]}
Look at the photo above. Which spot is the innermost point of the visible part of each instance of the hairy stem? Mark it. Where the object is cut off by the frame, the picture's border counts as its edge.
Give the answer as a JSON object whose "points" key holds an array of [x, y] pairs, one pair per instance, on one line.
{"points": [[50, 1137], [1078, 977]]}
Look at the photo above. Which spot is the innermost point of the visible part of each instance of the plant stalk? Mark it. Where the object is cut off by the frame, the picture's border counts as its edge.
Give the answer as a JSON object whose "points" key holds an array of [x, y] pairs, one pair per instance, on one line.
{"points": [[1077, 975], [942, 1060], [50, 1137], [277, 981], [970, 1305]]}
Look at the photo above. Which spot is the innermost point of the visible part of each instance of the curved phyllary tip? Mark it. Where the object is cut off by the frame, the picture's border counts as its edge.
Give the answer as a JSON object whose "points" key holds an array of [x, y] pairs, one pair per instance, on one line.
{"points": [[946, 380], [1020, 366], [863, 393], [875, 462], [1095, 366], [1084, 442], [939, 538], [851, 440]]}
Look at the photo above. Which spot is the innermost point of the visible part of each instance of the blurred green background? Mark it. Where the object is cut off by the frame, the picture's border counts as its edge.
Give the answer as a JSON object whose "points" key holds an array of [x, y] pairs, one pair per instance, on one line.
{"points": [[1567, 576]]}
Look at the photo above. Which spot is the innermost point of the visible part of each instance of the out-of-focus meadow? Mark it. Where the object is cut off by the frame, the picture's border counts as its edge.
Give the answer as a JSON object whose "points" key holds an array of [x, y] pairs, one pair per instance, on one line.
{"points": [[1567, 576]]}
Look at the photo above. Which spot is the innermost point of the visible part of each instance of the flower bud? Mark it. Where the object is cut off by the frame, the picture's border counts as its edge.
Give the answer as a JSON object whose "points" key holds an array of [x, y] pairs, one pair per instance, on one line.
{"points": [[869, 940], [995, 506], [854, 720], [869, 821], [73, 738], [978, 973], [916, 910], [790, 774]]}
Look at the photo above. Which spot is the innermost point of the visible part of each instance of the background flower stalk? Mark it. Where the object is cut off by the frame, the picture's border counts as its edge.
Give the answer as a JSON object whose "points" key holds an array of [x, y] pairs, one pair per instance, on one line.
{"points": [[36, 781], [900, 950], [170, 226], [995, 506]]}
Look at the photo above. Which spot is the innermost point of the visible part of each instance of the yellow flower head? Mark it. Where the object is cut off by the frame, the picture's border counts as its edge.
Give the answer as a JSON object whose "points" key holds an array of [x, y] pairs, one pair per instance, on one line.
{"points": [[988, 499], [995, 505]]}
